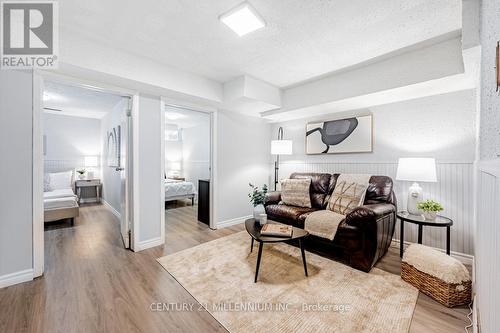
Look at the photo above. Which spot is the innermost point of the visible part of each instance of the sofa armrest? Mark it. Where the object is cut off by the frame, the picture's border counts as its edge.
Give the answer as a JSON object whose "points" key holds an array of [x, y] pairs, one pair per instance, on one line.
{"points": [[369, 213], [375, 225], [272, 198]]}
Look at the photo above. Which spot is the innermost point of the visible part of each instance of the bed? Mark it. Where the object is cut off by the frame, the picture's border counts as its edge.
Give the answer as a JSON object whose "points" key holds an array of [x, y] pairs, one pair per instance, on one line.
{"points": [[178, 190], [59, 202]]}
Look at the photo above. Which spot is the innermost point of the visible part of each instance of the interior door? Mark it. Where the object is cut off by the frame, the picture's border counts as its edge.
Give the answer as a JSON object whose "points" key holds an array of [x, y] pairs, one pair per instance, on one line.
{"points": [[125, 173]]}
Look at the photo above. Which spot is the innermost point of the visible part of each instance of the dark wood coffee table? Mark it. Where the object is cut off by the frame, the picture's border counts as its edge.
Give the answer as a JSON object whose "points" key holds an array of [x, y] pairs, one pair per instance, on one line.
{"points": [[253, 229]]}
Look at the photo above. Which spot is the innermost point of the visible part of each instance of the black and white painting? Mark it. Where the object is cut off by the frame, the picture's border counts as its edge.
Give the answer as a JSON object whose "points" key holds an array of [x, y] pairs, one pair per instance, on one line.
{"points": [[113, 147], [348, 135]]}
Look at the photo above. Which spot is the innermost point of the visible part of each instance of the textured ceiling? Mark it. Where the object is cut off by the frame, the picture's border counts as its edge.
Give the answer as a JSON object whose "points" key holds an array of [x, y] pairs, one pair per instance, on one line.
{"points": [[303, 38], [77, 101]]}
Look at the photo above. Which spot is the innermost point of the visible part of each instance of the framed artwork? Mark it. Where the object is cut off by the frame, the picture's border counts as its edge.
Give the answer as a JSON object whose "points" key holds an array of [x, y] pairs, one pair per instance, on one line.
{"points": [[348, 135], [113, 146]]}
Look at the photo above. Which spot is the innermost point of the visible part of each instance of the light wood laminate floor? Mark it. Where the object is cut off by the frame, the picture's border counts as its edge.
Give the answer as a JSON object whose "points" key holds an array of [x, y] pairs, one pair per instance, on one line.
{"points": [[92, 284]]}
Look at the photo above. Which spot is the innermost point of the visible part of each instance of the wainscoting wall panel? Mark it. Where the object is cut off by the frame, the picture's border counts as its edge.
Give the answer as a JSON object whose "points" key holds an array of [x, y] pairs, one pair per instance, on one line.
{"points": [[487, 247], [454, 190]]}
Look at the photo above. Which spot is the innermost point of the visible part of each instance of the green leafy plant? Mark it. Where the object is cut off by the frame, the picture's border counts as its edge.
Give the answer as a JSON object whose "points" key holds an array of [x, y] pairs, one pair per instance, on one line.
{"points": [[430, 206], [257, 196], [81, 171]]}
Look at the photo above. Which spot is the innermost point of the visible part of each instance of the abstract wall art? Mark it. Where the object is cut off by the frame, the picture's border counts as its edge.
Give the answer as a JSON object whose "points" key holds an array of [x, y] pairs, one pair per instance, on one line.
{"points": [[113, 146], [347, 135]]}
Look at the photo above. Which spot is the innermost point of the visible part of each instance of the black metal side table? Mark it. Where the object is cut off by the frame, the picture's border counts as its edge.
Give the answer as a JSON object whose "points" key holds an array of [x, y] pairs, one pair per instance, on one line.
{"points": [[440, 221]]}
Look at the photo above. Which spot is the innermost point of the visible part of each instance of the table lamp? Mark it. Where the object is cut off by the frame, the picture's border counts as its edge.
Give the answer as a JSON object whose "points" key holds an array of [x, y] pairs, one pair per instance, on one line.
{"points": [[91, 162], [416, 169], [280, 147]]}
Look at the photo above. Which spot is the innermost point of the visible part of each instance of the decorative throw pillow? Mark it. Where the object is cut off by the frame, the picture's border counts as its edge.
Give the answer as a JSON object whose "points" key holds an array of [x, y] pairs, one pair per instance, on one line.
{"points": [[349, 193], [295, 192], [60, 180]]}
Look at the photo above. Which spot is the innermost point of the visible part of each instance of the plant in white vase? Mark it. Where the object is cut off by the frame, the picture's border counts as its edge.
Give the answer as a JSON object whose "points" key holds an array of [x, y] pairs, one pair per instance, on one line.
{"points": [[257, 198], [430, 209], [81, 173]]}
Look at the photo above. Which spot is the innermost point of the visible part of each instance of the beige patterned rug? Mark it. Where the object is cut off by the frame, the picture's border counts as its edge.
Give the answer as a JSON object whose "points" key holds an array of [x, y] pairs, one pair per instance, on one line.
{"points": [[334, 298]]}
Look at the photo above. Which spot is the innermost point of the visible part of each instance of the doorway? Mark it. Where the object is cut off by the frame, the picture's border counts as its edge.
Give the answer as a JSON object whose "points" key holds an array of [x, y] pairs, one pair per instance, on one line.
{"points": [[188, 164], [82, 153]]}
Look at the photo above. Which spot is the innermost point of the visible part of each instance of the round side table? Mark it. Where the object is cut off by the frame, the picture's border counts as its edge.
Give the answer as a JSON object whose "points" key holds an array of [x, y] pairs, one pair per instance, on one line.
{"points": [[419, 220]]}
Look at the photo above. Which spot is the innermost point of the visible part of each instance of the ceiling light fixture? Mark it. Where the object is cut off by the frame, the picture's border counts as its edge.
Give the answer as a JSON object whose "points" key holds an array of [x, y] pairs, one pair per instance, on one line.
{"points": [[243, 19]]}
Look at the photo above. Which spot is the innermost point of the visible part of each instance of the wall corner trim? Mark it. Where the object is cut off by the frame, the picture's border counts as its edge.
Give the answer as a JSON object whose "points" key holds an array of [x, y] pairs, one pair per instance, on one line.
{"points": [[228, 223], [16, 277], [147, 244]]}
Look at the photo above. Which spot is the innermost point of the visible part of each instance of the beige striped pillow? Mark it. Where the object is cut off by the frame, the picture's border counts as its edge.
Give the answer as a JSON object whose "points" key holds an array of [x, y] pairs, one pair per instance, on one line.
{"points": [[295, 192]]}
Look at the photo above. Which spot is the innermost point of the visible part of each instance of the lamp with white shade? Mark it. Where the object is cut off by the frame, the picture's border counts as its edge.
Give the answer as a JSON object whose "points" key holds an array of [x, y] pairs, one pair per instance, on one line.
{"points": [[91, 162], [280, 147], [416, 169]]}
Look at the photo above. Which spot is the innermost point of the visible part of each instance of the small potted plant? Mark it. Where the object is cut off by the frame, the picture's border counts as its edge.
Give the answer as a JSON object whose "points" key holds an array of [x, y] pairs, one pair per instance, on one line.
{"points": [[81, 173], [430, 209], [257, 198]]}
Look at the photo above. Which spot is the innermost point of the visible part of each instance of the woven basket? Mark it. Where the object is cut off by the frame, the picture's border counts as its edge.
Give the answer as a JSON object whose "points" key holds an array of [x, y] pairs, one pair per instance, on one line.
{"points": [[448, 294]]}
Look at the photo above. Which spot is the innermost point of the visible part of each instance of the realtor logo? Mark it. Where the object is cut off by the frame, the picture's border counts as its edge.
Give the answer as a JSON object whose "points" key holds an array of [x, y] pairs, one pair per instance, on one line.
{"points": [[29, 36]]}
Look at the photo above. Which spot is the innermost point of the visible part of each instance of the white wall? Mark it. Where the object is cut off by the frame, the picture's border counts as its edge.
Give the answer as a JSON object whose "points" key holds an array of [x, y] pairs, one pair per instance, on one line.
{"points": [[243, 156], [490, 101], [196, 150], [488, 203], [71, 138], [440, 126], [68, 140], [16, 196], [148, 180], [111, 179]]}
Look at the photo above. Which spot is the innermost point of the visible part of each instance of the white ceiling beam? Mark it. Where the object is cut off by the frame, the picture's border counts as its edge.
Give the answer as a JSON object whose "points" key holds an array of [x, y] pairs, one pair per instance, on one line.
{"points": [[99, 62], [378, 81]]}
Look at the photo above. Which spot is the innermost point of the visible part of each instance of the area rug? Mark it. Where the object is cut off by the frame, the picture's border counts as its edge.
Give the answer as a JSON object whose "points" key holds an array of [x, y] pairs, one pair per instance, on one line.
{"points": [[334, 298]]}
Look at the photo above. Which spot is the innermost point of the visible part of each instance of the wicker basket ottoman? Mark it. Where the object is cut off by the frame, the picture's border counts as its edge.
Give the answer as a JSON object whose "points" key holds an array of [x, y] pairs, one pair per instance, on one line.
{"points": [[437, 275]]}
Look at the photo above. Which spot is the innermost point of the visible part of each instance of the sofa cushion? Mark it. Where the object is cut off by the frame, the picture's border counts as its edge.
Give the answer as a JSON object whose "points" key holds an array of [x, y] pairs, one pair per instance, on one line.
{"points": [[295, 192], [321, 186], [291, 213]]}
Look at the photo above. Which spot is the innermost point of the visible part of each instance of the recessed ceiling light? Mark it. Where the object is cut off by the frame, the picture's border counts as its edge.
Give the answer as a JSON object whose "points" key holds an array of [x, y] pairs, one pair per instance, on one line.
{"points": [[243, 19]]}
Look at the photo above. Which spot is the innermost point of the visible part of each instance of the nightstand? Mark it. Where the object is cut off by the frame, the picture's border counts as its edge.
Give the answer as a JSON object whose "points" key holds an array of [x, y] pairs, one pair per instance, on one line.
{"points": [[84, 183]]}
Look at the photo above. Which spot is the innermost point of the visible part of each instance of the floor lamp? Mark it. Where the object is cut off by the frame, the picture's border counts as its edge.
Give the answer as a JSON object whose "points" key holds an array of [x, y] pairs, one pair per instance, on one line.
{"points": [[280, 147]]}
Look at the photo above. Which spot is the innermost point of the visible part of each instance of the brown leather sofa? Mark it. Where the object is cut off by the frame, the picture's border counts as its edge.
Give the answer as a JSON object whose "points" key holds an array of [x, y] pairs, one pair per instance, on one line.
{"points": [[365, 234]]}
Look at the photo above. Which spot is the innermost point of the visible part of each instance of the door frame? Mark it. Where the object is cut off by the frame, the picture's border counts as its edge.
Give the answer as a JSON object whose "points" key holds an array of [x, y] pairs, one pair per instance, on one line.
{"points": [[39, 76], [213, 154]]}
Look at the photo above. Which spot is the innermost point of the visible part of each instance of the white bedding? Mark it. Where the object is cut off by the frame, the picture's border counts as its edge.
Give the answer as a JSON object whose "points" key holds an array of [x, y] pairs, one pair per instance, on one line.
{"points": [[61, 198], [61, 193], [66, 202], [176, 188]]}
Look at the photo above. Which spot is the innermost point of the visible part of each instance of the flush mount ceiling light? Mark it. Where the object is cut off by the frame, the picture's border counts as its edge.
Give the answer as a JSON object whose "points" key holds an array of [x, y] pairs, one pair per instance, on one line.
{"points": [[243, 19]]}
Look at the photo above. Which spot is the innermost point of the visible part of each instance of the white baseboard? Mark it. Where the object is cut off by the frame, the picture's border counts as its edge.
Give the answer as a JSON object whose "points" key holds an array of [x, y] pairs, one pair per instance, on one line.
{"points": [[466, 259], [228, 223], [114, 211], [148, 244], [15, 278]]}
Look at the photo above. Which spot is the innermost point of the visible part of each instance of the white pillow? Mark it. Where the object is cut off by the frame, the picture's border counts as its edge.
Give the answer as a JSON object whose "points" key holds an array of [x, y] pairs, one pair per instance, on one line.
{"points": [[60, 180]]}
